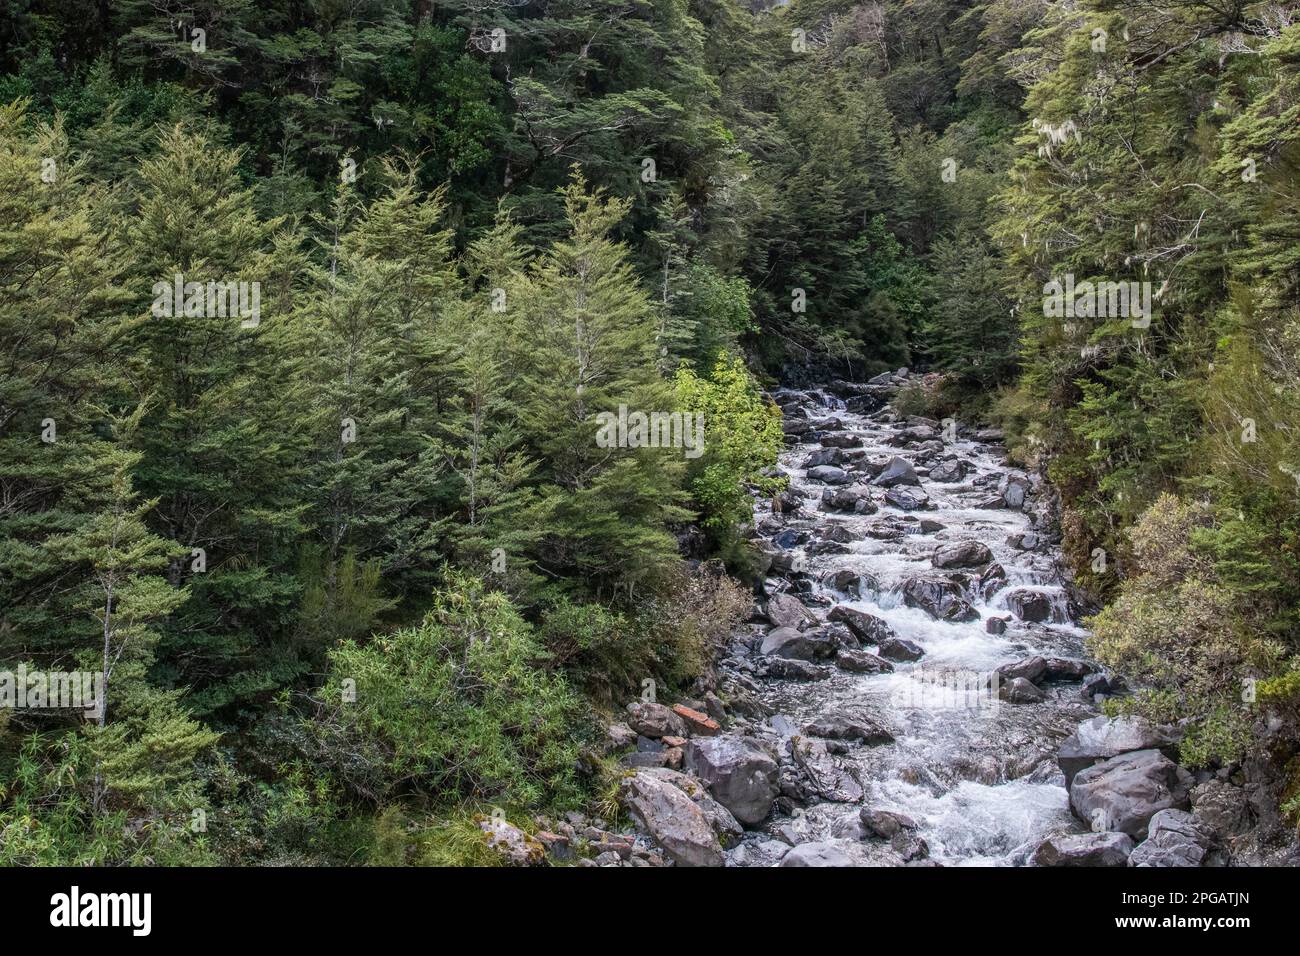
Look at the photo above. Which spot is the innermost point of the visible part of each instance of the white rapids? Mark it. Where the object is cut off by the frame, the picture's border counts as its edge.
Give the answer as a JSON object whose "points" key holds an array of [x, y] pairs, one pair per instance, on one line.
{"points": [[978, 775]]}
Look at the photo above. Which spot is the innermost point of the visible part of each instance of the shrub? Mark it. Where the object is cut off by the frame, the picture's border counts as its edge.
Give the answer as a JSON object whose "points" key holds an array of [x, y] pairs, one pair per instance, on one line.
{"points": [[1177, 628], [461, 706]]}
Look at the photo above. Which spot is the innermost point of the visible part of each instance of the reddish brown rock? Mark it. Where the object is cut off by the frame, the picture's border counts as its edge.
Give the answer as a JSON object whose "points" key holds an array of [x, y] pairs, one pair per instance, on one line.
{"points": [[701, 725]]}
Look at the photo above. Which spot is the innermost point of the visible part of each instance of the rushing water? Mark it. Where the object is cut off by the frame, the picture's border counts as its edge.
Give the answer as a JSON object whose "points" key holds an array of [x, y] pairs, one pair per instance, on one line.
{"points": [[977, 774]]}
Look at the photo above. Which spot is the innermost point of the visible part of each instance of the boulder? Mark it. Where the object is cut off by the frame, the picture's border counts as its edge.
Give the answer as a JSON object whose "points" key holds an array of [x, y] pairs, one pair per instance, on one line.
{"points": [[1125, 792], [939, 597], [824, 456], [991, 580], [671, 819], [786, 668], [1027, 541], [862, 662], [829, 475], [1103, 737], [841, 441], [850, 582], [786, 610], [1067, 669], [885, 824], [1031, 669], [645, 758], [961, 554], [838, 533], [821, 776], [799, 645], [790, 538], [898, 649], [1020, 691], [1085, 849], [947, 472], [906, 500], [828, 853], [1030, 605], [854, 499], [724, 825], [995, 625], [620, 736], [1176, 838], [740, 774], [909, 845], [1095, 685], [654, 720], [844, 727], [865, 627], [912, 435], [1017, 488], [898, 471]]}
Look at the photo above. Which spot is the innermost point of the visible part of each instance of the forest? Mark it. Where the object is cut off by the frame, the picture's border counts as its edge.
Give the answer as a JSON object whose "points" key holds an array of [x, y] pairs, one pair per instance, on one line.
{"points": [[309, 310]]}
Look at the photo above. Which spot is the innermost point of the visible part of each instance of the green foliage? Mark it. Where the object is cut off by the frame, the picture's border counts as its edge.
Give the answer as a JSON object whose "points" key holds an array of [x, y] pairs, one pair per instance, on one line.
{"points": [[742, 437], [1178, 628], [459, 705]]}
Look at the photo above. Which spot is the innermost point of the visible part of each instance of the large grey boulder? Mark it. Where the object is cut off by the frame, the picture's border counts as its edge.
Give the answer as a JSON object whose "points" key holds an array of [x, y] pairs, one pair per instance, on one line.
{"points": [[824, 456], [991, 580], [829, 475], [848, 727], [790, 668], [1085, 849], [862, 662], [654, 720], [906, 500], [724, 825], [740, 774], [828, 853], [867, 628], [799, 645], [671, 819], [1176, 838], [1030, 605], [900, 649], [854, 499], [947, 472], [939, 597], [961, 554], [1125, 792], [1103, 737], [913, 435], [1015, 491], [898, 471], [1020, 691], [885, 824], [1032, 669], [786, 610], [819, 776]]}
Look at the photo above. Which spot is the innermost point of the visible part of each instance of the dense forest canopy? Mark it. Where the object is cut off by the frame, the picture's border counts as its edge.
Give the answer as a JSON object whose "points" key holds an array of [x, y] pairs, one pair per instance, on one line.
{"points": [[474, 226]]}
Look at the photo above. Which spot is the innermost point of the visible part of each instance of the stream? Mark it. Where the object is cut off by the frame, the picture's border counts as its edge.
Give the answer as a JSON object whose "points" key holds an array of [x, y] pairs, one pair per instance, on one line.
{"points": [[973, 770]]}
